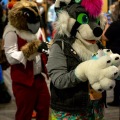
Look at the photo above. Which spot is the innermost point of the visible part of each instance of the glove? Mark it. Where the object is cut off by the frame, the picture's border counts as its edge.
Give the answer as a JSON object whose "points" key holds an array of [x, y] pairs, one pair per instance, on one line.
{"points": [[42, 47]]}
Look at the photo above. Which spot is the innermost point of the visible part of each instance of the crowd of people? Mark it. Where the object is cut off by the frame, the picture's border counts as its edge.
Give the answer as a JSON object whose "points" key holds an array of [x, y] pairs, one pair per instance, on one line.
{"points": [[112, 37], [31, 63]]}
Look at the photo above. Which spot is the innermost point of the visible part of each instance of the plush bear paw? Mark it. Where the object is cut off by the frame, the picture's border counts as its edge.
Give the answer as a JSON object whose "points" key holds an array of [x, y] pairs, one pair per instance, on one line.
{"points": [[105, 73], [100, 73], [114, 57]]}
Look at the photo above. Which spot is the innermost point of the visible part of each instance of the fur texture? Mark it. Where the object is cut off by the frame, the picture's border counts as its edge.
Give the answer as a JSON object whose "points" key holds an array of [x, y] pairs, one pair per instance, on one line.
{"points": [[64, 26], [93, 7], [114, 56], [57, 3], [30, 48], [88, 24], [27, 35], [99, 72], [18, 22], [16, 17]]}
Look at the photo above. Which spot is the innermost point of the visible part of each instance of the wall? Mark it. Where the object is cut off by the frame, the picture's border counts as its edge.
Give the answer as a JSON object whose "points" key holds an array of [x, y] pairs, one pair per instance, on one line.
{"points": [[105, 6]]}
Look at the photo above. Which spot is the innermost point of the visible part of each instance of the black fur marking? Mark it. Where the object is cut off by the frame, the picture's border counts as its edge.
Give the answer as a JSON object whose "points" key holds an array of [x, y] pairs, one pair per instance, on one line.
{"points": [[30, 15], [74, 29]]}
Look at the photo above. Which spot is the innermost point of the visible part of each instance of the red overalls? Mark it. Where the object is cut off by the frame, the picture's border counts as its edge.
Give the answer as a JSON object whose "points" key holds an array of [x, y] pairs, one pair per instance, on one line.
{"points": [[31, 92]]}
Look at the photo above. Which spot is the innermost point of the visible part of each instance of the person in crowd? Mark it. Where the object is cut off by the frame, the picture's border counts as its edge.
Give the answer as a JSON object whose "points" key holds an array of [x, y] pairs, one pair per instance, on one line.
{"points": [[51, 18], [1, 22], [24, 53], [113, 42], [5, 97], [108, 22], [42, 31], [69, 65]]}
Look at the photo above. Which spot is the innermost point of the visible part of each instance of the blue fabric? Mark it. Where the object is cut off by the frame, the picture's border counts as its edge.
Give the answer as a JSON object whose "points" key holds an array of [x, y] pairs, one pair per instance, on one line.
{"points": [[1, 75], [96, 57]]}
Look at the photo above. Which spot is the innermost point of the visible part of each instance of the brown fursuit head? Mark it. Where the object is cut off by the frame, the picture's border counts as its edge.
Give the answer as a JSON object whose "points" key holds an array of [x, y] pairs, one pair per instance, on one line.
{"points": [[16, 17]]}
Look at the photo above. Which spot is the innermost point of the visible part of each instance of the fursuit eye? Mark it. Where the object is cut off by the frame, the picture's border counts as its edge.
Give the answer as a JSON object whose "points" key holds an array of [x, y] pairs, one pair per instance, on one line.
{"points": [[77, 1], [82, 18], [98, 21], [26, 14]]}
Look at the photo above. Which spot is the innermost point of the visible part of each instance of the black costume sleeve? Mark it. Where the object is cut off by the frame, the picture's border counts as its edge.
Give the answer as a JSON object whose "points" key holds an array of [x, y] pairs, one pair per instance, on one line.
{"points": [[113, 31]]}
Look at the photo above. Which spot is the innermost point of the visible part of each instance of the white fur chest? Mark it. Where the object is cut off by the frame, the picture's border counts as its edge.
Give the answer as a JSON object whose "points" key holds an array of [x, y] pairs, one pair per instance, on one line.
{"points": [[85, 52]]}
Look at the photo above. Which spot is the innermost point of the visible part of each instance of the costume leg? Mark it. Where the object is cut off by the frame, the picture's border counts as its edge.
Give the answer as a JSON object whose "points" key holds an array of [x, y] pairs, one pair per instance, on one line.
{"points": [[43, 101], [98, 107], [116, 95], [60, 115], [117, 91], [25, 97], [5, 97]]}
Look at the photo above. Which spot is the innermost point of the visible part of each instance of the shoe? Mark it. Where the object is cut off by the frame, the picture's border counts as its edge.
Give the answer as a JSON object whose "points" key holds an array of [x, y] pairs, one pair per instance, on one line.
{"points": [[34, 114], [113, 104]]}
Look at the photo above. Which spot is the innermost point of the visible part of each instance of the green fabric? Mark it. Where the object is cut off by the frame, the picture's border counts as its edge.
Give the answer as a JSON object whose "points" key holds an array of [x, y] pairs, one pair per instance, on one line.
{"points": [[95, 112]]}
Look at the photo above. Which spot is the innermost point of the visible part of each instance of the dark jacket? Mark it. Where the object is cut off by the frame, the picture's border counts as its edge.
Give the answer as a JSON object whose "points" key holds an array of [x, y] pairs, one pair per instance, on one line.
{"points": [[21, 74], [1, 22], [113, 36], [74, 97]]}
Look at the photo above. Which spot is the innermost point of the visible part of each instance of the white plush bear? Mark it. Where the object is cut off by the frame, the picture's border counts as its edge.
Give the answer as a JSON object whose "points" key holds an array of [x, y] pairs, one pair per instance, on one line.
{"points": [[114, 56], [100, 72]]}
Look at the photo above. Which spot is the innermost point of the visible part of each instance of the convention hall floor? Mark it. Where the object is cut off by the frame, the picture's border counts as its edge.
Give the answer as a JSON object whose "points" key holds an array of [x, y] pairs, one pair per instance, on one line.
{"points": [[7, 111]]}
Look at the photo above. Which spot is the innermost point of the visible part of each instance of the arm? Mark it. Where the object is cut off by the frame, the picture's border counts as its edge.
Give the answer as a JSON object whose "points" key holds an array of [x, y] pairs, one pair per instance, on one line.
{"points": [[112, 32], [11, 49], [57, 69]]}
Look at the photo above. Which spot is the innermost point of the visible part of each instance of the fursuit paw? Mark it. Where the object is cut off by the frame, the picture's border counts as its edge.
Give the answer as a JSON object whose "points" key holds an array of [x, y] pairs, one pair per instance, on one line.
{"points": [[43, 47], [30, 49]]}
